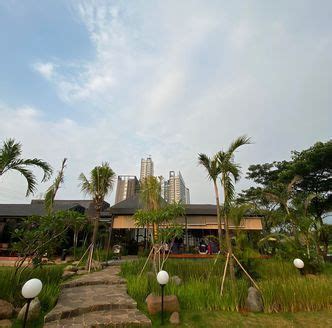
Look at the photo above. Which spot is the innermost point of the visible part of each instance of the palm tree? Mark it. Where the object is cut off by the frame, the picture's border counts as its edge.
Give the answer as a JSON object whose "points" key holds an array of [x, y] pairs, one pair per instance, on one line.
{"points": [[10, 159], [213, 171], [150, 198], [53, 189], [98, 186], [230, 172]]}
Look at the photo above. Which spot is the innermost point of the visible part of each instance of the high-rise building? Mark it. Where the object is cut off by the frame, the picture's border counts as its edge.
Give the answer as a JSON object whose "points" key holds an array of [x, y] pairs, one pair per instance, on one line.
{"points": [[146, 168], [127, 187], [174, 189]]}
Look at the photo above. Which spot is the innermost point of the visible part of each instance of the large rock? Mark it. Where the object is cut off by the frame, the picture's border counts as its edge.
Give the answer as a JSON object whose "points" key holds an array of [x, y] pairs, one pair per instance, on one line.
{"points": [[6, 310], [171, 303], [174, 318], [68, 274], [5, 323], [254, 302], [71, 268], [176, 280], [34, 310]]}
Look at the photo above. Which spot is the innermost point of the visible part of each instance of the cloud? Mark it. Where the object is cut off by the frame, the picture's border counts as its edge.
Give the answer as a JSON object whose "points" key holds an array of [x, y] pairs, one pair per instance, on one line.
{"points": [[45, 69], [176, 78]]}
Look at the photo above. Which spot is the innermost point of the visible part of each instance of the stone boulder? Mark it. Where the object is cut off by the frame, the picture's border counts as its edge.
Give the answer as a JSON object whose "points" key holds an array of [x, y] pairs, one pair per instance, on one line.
{"points": [[6, 310], [171, 303], [254, 302], [33, 312], [174, 318], [71, 268], [68, 274], [5, 323], [176, 280]]}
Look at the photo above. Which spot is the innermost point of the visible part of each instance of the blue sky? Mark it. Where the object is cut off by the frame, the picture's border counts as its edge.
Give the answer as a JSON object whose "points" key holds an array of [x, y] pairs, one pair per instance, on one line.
{"points": [[117, 80]]}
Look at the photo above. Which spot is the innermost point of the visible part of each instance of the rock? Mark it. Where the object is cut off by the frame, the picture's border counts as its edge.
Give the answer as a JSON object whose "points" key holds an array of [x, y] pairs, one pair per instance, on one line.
{"points": [[6, 310], [34, 310], [71, 268], [176, 280], [5, 323], [171, 303], [254, 302], [80, 272], [174, 318], [68, 274]]}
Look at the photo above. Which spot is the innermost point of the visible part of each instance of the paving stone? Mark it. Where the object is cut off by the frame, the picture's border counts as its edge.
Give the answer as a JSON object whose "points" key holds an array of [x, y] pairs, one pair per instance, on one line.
{"points": [[99, 299]]}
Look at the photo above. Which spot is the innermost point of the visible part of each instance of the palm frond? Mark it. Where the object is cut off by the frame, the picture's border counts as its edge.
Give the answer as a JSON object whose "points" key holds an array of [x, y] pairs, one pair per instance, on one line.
{"points": [[30, 177], [240, 141], [211, 165], [47, 169]]}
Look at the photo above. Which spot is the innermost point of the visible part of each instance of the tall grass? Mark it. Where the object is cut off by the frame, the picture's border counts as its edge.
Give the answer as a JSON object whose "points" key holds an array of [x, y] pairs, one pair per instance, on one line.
{"points": [[283, 288], [10, 285]]}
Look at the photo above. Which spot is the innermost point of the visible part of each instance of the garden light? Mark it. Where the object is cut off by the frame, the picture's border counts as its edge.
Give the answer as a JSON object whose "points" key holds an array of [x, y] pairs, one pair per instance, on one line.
{"points": [[162, 278], [29, 291], [298, 263]]}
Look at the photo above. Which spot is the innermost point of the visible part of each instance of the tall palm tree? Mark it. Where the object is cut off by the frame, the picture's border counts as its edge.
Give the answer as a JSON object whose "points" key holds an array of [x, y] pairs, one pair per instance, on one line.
{"points": [[213, 170], [230, 171], [10, 159], [150, 198], [99, 184]]}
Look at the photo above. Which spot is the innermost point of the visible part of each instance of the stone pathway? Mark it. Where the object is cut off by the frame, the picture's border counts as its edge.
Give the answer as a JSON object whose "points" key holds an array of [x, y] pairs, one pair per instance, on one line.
{"points": [[99, 299]]}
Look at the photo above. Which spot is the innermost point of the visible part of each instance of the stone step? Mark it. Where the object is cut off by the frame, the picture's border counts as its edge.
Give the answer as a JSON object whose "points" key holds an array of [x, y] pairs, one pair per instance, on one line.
{"points": [[108, 276], [116, 318], [78, 300]]}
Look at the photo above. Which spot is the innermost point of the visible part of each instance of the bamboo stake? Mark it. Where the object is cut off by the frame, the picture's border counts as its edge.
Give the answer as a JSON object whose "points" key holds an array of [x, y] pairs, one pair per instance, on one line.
{"points": [[224, 275], [252, 280], [146, 262], [83, 255]]}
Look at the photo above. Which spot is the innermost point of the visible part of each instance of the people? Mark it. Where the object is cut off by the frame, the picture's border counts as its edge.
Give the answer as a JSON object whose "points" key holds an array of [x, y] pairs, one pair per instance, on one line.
{"points": [[203, 249]]}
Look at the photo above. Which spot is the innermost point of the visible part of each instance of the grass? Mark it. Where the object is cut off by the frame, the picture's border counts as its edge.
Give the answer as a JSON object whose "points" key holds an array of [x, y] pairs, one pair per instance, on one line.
{"points": [[283, 288], [10, 288]]}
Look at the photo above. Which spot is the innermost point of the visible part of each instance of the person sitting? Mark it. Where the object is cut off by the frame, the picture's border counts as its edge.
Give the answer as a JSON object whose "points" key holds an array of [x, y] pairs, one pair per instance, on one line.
{"points": [[203, 249]]}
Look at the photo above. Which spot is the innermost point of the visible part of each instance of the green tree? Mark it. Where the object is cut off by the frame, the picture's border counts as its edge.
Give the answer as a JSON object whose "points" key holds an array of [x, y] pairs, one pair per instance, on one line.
{"points": [[99, 184], [10, 160], [230, 174], [151, 200], [213, 170]]}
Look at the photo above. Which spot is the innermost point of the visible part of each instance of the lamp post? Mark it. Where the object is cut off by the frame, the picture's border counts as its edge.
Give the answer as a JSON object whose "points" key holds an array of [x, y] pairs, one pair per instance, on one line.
{"points": [[162, 278], [29, 291], [299, 264]]}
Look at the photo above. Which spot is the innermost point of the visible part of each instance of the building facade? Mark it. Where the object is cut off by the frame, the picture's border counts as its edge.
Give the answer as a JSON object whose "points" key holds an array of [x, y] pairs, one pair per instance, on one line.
{"points": [[174, 189], [127, 187], [146, 168]]}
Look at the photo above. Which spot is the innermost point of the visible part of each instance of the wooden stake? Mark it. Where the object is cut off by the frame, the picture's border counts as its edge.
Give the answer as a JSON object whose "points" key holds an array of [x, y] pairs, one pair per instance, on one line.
{"points": [[224, 275], [146, 262], [252, 280]]}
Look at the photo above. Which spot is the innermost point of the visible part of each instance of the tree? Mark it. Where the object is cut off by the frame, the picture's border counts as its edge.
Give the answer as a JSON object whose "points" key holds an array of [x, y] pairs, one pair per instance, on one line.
{"points": [[53, 189], [150, 199], [213, 170], [10, 159], [230, 171], [99, 184]]}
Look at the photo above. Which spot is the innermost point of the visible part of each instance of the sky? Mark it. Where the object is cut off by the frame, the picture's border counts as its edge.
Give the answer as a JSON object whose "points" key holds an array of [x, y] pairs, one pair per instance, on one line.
{"points": [[116, 81]]}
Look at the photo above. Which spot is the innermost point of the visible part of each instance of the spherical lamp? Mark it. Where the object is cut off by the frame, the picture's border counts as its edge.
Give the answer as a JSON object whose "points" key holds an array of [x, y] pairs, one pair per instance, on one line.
{"points": [[162, 277], [29, 291], [298, 263]]}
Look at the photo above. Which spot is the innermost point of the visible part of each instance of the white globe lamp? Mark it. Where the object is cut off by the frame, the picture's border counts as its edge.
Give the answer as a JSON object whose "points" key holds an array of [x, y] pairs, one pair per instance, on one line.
{"points": [[162, 277], [298, 263], [29, 291]]}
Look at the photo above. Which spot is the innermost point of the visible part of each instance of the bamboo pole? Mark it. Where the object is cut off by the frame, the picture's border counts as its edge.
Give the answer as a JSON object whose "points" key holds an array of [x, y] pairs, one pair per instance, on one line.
{"points": [[146, 262], [224, 275], [248, 275]]}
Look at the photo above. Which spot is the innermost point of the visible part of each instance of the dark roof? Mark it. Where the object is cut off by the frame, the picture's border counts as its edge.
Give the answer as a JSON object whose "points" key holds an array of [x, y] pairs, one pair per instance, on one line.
{"points": [[65, 202], [23, 210]]}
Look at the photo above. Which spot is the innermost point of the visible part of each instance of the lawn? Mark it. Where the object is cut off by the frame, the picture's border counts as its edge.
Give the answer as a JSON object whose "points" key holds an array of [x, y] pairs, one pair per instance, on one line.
{"points": [[286, 293]]}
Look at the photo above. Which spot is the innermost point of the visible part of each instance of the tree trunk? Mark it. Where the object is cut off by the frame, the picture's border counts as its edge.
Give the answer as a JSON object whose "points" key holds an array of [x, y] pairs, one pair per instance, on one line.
{"points": [[94, 237], [218, 213], [228, 239]]}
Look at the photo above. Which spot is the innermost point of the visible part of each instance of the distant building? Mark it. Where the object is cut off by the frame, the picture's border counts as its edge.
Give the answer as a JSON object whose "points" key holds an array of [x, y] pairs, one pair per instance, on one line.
{"points": [[174, 189], [127, 187], [146, 168]]}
